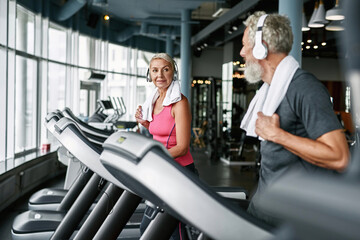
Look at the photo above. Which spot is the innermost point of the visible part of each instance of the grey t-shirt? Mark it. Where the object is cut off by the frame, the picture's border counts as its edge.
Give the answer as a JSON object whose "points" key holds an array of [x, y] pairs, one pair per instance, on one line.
{"points": [[305, 111]]}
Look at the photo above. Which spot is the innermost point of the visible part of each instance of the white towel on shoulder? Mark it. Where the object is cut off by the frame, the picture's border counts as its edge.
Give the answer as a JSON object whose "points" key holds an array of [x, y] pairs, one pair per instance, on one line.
{"points": [[173, 95], [269, 97]]}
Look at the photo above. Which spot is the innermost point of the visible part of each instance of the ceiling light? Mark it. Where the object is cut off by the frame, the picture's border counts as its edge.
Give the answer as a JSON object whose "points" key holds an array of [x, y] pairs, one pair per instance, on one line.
{"points": [[230, 32], [315, 46], [304, 27], [309, 40], [205, 45], [100, 3], [234, 28], [220, 12], [312, 24], [335, 13], [323, 43], [320, 14], [335, 26], [106, 17]]}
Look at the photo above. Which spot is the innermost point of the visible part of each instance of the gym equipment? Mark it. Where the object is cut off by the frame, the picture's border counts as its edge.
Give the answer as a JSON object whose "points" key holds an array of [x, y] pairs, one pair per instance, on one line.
{"points": [[37, 226], [76, 176], [72, 138], [59, 199], [86, 128], [147, 168]]}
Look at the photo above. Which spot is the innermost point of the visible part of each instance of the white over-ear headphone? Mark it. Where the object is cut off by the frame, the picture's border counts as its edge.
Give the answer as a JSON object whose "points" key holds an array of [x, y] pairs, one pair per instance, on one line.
{"points": [[260, 50]]}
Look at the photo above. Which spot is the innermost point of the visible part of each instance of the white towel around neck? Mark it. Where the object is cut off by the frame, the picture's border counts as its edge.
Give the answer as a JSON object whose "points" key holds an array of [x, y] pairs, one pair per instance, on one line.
{"points": [[269, 97], [173, 95]]}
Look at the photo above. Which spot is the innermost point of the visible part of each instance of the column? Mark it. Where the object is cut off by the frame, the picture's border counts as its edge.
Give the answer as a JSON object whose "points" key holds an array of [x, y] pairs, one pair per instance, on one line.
{"points": [[169, 45], [185, 53], [293, 9]]}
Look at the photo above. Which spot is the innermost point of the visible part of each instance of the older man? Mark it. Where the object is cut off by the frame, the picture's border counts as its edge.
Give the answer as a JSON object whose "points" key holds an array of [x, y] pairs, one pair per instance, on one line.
{"points": [[291, 113]]}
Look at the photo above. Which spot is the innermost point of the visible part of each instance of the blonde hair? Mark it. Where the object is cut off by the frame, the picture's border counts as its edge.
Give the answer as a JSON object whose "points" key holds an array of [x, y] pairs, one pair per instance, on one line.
{"points": [[276, 32], [166, 57]]}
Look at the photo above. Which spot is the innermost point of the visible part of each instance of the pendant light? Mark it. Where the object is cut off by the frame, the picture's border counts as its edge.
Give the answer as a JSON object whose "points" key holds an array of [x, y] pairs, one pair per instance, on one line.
{"points": [[312, 24], [304, 27], [335, 26], [320, 14], [335, 13]]}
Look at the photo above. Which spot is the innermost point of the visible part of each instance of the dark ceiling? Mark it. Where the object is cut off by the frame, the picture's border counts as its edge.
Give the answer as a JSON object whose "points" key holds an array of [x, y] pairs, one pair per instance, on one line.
{"points": [[146, 24]]}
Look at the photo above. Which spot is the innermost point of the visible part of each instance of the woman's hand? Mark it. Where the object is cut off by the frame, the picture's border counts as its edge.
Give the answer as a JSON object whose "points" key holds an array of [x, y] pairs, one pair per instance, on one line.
{"points": [[139, 117]]}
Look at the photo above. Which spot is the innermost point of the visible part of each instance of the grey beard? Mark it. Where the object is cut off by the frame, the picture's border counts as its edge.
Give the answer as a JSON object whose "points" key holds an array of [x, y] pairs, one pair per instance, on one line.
{"points": [[253, 72]]}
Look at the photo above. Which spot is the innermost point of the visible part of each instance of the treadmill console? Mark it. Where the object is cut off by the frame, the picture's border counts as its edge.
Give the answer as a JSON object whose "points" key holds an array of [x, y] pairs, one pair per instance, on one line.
{"points": [[133, 145]]}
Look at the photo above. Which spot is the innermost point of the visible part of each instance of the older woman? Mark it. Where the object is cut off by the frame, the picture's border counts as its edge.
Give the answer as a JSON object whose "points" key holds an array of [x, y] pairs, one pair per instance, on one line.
{"points": [[166, 114]]}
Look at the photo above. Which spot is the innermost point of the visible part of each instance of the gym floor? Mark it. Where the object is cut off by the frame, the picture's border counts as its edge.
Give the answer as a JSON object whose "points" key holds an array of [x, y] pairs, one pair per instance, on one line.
{"points": [[214, 173]]}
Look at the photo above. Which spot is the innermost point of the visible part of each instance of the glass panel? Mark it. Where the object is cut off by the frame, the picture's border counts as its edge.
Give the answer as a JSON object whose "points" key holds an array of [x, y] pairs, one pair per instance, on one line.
{"points": [[227, 88], [25, 34], [10, 122], [3, 21], [12, 24], [84, 53], [2, 104], [56, 87], [57, 43], [84, 103], [117, 85], [118, 58], [92, 101], [25, 104]]}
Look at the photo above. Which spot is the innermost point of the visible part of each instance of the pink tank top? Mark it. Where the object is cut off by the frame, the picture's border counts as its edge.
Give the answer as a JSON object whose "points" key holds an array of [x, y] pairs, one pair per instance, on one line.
{"points": [[163, 129]]}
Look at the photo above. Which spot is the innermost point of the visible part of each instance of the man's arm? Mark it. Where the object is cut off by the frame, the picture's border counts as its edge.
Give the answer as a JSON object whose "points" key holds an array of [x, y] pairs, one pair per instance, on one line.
{"points": [[329, 150]]}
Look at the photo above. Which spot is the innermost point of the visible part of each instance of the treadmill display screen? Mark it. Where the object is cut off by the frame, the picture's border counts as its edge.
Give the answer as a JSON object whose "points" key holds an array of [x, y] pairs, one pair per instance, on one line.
{"points": [[106, 104]]}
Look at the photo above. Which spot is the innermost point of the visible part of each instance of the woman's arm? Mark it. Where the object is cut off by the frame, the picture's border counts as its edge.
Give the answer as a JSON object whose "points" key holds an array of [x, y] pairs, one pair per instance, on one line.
{"points": [[182, 115]]}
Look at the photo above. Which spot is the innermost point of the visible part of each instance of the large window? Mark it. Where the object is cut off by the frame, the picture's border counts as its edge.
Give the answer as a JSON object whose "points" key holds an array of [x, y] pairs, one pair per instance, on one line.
{"points": [[25, 104], [44, 67], [56, 87], [84, 51], [3, 21], [57, 43], [2, 104], [25, 30], [118, 58]]}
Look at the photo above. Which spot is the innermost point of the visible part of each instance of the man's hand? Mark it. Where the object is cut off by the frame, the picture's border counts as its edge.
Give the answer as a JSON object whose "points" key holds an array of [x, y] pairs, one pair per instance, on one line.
{"points": [[267, 127]]}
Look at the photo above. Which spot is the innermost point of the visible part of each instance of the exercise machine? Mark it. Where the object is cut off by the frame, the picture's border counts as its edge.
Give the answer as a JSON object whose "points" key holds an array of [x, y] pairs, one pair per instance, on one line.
{"points": [[147, 168]]}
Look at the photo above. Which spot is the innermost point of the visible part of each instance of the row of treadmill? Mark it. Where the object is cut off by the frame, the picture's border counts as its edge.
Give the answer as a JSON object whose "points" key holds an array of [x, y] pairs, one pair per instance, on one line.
{"points": [[120, 172]]}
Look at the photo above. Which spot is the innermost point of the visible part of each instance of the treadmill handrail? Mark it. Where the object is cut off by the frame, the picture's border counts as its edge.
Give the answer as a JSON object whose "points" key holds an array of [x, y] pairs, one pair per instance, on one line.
{"points": [[72, 138], [52, 115], [65, 122], [86, 127]]}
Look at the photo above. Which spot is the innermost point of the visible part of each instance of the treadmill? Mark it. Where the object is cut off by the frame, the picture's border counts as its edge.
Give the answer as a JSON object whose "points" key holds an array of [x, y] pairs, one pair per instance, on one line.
{"points": [[70, 136], [33, 226], [50, 199], [146, 167]]}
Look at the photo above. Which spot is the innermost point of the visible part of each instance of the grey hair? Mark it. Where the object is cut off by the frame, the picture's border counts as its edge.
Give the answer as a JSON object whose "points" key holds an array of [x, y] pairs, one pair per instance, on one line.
{"points": [[165, 57], [277, 32]]}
